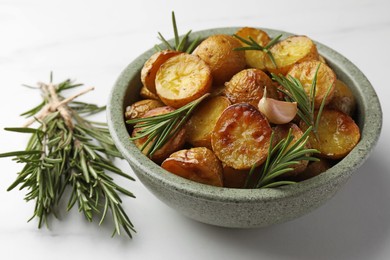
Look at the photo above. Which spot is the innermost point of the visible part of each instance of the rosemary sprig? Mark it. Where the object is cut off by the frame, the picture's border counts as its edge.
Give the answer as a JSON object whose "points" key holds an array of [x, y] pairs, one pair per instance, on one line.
{"points": [[253, 45], [65, 151], [295, 92], [180, 44], [280, 160], [161, 128]]}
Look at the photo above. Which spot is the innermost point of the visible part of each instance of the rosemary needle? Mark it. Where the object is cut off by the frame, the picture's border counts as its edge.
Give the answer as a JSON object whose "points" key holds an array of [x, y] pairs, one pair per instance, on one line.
{"points": [[253, 45], [161, 128], [280, 160], [180, 44], [295, 92]]}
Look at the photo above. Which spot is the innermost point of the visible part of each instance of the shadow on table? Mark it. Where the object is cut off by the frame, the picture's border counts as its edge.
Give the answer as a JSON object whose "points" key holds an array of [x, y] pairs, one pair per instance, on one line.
{"points": [[352, 225]]}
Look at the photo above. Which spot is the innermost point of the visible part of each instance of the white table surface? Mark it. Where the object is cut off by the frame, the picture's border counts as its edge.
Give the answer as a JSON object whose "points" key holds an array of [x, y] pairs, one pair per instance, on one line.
{"points": [[92, 41]]}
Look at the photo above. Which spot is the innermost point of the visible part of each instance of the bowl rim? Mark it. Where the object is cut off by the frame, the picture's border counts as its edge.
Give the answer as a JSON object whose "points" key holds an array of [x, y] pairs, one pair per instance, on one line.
{"points": [[370, 132]]}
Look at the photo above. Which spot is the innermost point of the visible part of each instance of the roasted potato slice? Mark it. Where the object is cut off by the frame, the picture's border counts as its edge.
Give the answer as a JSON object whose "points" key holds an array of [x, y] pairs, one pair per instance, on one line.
{"points": [[343, 99], [197, 164], [151, 66], [233, 178], [255, 58], [201, 124], [139, 108], [176, 143], [218, 52], [145, 93], [290, 51], [182, 79], [337, 134], [326, 78], [247, 86], [280, 132], [241, 136]]}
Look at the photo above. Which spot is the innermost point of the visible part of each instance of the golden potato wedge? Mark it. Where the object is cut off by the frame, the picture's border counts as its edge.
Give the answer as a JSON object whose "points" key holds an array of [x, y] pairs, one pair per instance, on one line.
{"points": [[233, 178], [182, 79], [337, 134], [147, 94], [176, 142], [280, 132], [151, 66], [314, 169], [343, 99], [197, 164], [290, 51], [326, 78], [218, 52], [241, 137], [255, 58], [201, 124], [247, 86], [139, 108]]}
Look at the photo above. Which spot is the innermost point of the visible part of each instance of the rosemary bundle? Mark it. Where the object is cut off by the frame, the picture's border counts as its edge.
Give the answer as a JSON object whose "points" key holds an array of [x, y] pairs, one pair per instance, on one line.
{"points": [[69, 152]]}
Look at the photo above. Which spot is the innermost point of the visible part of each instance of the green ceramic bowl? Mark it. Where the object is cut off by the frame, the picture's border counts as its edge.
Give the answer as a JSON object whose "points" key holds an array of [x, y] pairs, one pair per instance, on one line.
{"points": [[245, 208]]}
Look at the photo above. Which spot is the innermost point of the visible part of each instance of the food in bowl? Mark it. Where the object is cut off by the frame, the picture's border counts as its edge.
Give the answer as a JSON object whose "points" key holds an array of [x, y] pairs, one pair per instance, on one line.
{"points": [[219, 111], [236, 207]]}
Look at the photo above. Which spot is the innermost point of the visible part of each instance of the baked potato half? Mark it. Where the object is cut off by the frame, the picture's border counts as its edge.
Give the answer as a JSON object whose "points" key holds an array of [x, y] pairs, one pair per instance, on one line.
{"points": [[182, 79], [290, 51], [247, 86], [336, 136], [151, 66], [201, 124], [218, 52], [197, 164], [241, 137]]}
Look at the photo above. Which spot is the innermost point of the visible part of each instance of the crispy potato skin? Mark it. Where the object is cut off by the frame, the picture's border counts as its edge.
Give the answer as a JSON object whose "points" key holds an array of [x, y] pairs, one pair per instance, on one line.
{"points": [[218, 52], [343, 99], [255, 58], [337, 134], [241, 137], [139, 108], [247, 86], [173, 145], [197, 164], [151, 66], [326, 78], [201, 124], [281, 131], [182, 79], [290, 51]]}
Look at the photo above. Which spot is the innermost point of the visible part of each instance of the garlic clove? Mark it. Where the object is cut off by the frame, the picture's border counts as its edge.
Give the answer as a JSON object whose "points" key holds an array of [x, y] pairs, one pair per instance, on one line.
{"points": [[276, 111]]}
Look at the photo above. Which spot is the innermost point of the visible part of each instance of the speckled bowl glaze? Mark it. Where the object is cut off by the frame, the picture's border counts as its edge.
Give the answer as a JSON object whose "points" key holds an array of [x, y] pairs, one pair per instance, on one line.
{"points": [[245, 208]]}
